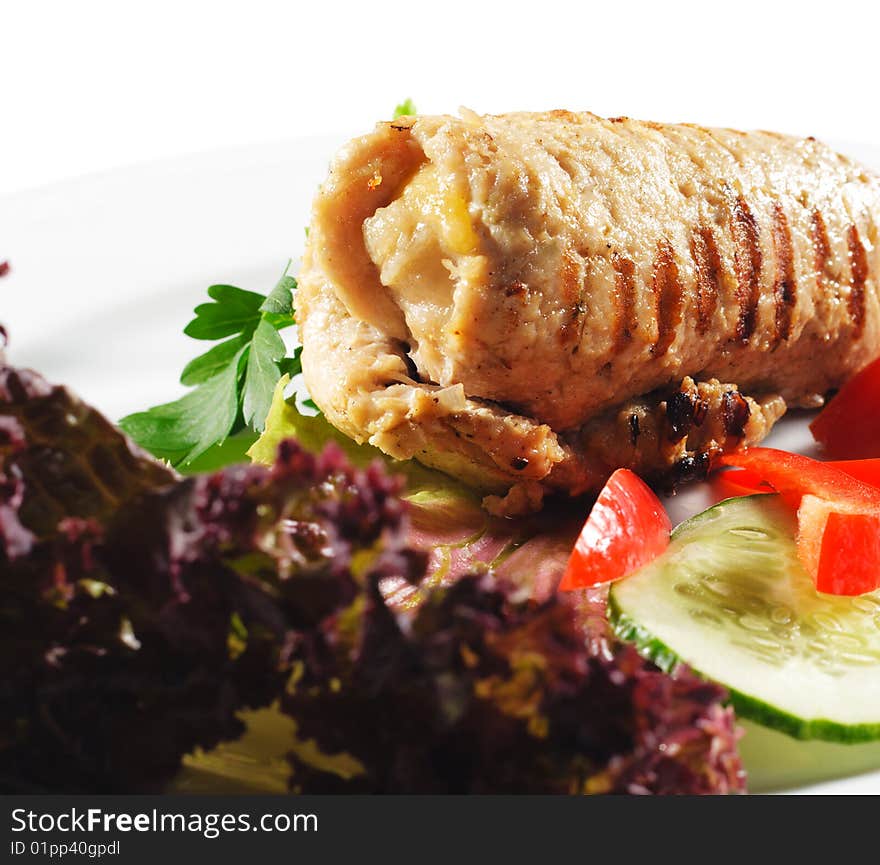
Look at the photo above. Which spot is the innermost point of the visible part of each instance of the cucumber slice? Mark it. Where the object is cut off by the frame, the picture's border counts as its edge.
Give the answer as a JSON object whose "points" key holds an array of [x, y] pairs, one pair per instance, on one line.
{"points": [[730, 599]]}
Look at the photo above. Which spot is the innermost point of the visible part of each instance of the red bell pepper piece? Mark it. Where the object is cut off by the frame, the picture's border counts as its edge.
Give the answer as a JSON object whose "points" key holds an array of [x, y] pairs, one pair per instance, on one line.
{"points": [[849, 425], [838, 516], [744, 482], [626, 529], [840, 550], [850, 562], [867, 470], [794, 476]]}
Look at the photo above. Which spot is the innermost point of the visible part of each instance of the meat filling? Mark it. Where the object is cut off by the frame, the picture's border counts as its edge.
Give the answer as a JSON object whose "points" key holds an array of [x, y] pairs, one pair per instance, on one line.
{"points": [[424, 245]]}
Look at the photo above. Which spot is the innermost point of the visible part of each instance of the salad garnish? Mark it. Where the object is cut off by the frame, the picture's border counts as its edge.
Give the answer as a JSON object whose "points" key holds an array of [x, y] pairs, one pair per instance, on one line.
{"points": [[849, 426], [627, 528], [730, 599], [405, 109], [233, 382], [143, 612], [838, 533]]}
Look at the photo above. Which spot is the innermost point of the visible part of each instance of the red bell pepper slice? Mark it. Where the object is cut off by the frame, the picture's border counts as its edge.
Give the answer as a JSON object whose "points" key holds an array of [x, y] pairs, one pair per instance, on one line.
{"points": [[838, 516], [744, 482], [626, 529], [849, 425], [867, 470], [794, 476], [840, 550]]}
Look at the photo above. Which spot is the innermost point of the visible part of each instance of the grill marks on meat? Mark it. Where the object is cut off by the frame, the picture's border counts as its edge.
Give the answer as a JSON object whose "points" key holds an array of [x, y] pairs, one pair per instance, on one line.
{"points": [[634, 429], [672, 436], [708, 268], [735, 413], [784, 284], [668, 294], [680, 413], [693, 467], [858, 260], [747, 263], [748, 260], [570, 291], [667, 298], [624, 280], [858, 265], [821, 246]]}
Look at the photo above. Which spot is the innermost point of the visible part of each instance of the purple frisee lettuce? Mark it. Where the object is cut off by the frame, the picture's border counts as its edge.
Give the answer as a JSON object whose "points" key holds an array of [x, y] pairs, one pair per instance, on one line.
{"points": [[140, 612]]}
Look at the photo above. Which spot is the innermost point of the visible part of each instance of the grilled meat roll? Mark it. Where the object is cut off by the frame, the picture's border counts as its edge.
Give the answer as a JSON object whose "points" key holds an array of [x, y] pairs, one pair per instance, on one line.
{"points": [[530, 301]]}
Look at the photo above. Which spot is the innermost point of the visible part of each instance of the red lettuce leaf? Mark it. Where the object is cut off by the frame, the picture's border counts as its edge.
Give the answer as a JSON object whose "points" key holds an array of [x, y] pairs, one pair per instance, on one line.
{"points": [[140, 612]]}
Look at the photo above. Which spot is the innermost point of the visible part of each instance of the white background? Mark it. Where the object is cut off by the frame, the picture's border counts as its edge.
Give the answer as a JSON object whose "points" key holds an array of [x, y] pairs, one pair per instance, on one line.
{"points": [[86, 85]]}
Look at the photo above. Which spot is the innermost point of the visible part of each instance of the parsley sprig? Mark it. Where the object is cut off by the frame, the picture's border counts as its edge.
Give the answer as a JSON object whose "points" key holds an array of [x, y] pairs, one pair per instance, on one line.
{"points": [[405, 108], [233, 382]]}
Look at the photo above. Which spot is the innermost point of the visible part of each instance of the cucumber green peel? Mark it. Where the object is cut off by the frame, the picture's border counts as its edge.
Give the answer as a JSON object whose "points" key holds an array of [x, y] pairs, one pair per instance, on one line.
{"points": [[730, 599]]}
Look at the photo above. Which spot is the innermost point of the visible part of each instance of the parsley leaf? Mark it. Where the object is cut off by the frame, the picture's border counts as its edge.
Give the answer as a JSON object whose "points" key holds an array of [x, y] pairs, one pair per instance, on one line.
{"points": [[233, 382], [214, 360], [280, 299], [292, 366], [234, 311], [182, 430], [263, 372], [405, 108]]}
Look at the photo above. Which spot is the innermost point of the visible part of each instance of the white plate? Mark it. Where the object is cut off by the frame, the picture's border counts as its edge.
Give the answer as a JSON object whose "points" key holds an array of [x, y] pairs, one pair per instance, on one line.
{"points": [[106, 270]]}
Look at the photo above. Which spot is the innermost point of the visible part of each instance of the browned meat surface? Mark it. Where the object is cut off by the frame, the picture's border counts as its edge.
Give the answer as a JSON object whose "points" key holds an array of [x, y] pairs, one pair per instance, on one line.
{"points": [[529, 301]]}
